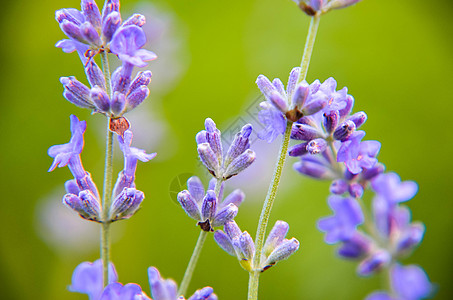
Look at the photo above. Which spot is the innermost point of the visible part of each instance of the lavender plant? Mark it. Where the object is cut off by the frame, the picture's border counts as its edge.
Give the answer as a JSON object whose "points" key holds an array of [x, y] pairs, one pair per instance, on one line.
{"points": [[317, 115]]}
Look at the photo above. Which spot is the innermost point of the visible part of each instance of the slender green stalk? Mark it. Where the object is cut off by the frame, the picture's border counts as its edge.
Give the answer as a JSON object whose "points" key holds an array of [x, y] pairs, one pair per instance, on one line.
{"points": [[107, 189], [309, 43], [192, 263], [197, 250], [272, 192], [265, 213]]}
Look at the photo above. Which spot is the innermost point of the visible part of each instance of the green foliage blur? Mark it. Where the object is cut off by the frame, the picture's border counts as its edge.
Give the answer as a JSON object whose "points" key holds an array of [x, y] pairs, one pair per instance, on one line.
{"points": [[395, 57]]}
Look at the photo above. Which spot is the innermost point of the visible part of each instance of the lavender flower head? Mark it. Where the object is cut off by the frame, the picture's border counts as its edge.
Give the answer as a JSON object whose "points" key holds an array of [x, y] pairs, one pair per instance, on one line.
{"points": [[317, 7], [90, 33], [166, 289], [209, 210], [238, 157], [240, 244]]}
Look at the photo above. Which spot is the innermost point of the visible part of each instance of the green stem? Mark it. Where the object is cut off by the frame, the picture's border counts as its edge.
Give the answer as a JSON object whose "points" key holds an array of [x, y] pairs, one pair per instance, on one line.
{"points": [[309, 43], [197, 250], [272, 192], [265, 214], [107, 189], [192, 263]]}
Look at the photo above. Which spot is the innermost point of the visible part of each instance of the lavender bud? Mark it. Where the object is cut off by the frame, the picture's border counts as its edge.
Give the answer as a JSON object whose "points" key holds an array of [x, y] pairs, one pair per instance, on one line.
{"points": [[374, 263], [94, 74], [126, 204], [111, 24], [225, 214], [344, 131], [90, 34], [240, 163], [224, 242], [121, 78], [100, 99], [85, 205], [331, 120], [314, 169], [137, 97], [411, 237], [338, 187], [314, 106], [69, 14], [298, 150], [189, 205], [275, 237], [142, 78], [356, 247], [358, 118], [337, 4], [278, 84], [72, 30], [300, 96], [304, 132], [118, 103], [246, 245], [208, 158], [232, 229], [292, 81], [348, 108], [195, 188], [316, 146], [209, 206], [265, 86], [278, 101], [71, 187], [236, 197], [201, 137], [239, 145], [213, 137], [136, 19], [283, 251], [356, 190], [91, 13], [76, 92], [87, 183]]}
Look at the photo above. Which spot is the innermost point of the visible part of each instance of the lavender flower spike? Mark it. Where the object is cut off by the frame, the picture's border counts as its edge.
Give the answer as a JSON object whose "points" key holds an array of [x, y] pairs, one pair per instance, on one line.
{"points": [[166, 289], [87, 279]]}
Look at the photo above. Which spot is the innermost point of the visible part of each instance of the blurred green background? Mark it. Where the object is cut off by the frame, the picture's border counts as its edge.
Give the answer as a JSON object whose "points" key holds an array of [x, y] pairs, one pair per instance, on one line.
{"points": [[394, 56]]}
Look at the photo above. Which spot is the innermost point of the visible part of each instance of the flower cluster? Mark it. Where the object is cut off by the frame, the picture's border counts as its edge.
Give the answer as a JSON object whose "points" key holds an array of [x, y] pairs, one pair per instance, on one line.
{"points": [[238, 157], [90, 33], [332, 148], [314, 7], [208, 209], [82, 194], [87, 279], [240, 244]]}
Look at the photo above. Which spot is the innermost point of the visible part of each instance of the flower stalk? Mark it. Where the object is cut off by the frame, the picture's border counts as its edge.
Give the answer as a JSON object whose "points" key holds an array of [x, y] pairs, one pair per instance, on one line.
{"points": [[273, 187], [107, 189]]}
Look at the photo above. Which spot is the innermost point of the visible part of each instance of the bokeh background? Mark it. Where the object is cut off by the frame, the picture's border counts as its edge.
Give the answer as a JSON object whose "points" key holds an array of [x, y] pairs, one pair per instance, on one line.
{"points": [[394, 56]]}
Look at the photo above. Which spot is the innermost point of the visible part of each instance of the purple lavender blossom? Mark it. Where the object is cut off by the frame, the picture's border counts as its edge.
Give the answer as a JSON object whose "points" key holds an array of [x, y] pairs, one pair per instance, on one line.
{"points": [[390, 187], [238, 157], [240, 244], [358, 155], [208, 209], [88, 279], [117, 291], [343, 224], [166, 289], [408, 283]]}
